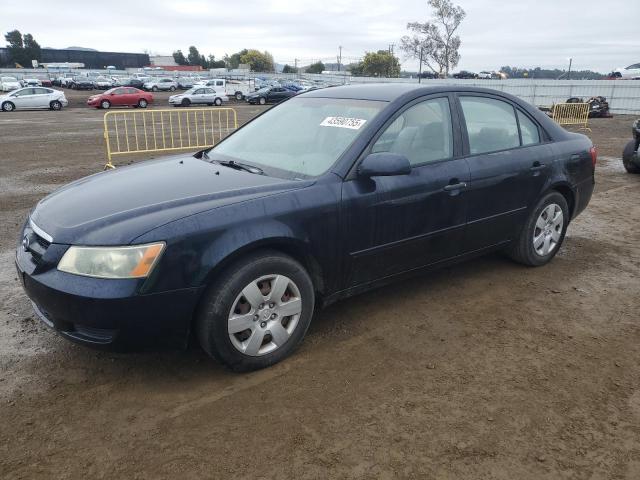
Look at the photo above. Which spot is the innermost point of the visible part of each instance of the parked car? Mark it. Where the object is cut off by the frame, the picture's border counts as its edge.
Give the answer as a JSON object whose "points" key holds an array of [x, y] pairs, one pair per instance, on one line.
{"points": [[231, 88], [134, 82], [630, 157], [31, 82], [9, 83], [102, 83], [65, 81], [161, 84], [185, 83], [81, 83], [198, 96], [465, 75], [485, 75], [33, 97], [121, 97], [327, 195], [270, 95]]}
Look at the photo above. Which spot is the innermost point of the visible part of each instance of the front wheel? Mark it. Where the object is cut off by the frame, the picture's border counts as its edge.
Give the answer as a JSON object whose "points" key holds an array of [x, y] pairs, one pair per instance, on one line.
{"points": [[262, 100], [154, 89], [257, 313], [543, 232], [628, 156], [8, 107], [172, 89], [105, 104]]}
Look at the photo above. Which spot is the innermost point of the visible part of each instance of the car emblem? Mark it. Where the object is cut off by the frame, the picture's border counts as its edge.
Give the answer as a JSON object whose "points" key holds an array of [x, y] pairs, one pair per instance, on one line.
{"points": [[25, 243]]}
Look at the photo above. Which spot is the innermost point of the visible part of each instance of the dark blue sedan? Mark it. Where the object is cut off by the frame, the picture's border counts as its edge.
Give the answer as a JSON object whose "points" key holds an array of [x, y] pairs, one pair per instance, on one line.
{"points": [[329, 194]]}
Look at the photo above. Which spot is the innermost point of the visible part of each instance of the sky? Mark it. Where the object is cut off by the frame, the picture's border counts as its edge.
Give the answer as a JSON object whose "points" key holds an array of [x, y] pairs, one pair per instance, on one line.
{"points": [[598, 35]]}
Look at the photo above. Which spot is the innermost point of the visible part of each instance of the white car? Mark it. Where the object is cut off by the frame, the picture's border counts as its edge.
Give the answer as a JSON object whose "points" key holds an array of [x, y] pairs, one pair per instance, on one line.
{"points": [[9, 83], [103, 83], [161, 84], [33, 97], [632, 72], [31, 82], [198, 96], [485, 75]]}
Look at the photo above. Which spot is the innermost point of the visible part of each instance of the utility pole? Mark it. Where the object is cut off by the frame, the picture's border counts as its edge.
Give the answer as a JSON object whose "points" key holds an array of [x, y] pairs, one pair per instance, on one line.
{"points": [[420, 70], [569, 72], [295, 62], [339, 57]]}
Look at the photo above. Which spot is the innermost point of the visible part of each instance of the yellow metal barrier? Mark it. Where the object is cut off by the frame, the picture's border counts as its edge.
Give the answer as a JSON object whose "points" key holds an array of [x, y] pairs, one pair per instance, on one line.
{"points": [[145, 131], [572, 114]]}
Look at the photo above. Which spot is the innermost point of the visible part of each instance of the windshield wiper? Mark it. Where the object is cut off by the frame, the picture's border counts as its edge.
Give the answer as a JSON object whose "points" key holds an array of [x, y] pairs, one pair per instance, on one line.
{"points": [[240, 166]]}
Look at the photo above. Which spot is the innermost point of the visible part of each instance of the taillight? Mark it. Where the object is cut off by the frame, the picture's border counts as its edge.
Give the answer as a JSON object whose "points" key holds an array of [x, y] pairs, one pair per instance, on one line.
{"points": [[594, 155]]}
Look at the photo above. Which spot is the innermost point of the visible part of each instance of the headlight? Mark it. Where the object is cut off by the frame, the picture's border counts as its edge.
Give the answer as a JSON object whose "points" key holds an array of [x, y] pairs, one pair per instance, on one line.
{"points": [[111, 262]]}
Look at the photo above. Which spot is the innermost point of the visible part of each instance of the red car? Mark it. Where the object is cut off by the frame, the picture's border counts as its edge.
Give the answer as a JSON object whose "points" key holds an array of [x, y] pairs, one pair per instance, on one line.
{"points": [[121, 97]]}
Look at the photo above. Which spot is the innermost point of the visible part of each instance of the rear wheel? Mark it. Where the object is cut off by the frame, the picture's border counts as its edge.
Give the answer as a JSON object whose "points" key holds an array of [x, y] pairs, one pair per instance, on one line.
{"points": [[238, 96], [142, 103], [55, 105], [106, 104], [8, 107], [154, 89], [172, 88], [257, 313], [543, 232], [218, 102], [628, 156]]}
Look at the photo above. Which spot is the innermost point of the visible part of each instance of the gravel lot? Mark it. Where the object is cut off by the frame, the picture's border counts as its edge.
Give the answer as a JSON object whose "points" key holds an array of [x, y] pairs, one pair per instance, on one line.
{"points": [[484, 370]]}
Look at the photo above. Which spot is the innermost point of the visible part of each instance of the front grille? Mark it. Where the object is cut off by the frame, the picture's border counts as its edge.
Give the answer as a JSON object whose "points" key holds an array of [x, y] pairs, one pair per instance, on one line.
{"points": [[35, 243]]}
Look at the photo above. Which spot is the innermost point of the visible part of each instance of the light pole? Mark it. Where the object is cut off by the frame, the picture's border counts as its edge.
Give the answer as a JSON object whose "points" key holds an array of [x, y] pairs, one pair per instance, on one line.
{"points": [[569, 72]]}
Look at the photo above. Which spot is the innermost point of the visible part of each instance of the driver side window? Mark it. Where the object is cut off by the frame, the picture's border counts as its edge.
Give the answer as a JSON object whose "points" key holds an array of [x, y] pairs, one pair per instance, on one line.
{"points": [[423, 133]]}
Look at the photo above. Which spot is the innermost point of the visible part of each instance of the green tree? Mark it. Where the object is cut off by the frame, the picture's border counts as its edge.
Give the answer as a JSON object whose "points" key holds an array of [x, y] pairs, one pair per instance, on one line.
{"points": [[179, 58], [380, 64], [258, 61], [233, 61], [288, 69], [213, 63], [317, 67], [435, 42], [22, 48], [356, 69], [194, 57]]}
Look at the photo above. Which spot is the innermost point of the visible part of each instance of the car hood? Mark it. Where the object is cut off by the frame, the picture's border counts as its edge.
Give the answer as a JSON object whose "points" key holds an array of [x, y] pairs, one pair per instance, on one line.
{"points": [[115, 207]]}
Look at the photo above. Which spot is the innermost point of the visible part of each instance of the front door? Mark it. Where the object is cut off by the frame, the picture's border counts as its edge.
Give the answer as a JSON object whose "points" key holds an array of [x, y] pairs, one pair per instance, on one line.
{"points": [[399, 223]]}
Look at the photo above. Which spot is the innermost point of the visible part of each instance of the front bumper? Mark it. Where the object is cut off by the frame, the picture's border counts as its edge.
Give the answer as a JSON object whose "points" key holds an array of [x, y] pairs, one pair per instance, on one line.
{"points": [[108, 314]]}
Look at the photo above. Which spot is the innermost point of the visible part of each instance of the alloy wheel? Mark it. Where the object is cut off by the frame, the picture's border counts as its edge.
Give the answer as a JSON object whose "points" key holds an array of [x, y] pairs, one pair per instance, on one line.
{"points": [[264, 315], [548, 230]]}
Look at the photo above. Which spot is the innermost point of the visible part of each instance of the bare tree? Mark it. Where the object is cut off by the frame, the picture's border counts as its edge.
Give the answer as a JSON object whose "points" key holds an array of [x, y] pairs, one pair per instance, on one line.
{"points": [[435, 42]]}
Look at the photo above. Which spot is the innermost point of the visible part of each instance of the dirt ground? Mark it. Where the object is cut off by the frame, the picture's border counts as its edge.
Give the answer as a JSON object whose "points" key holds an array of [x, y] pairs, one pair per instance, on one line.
{"points": [[483, 370]]}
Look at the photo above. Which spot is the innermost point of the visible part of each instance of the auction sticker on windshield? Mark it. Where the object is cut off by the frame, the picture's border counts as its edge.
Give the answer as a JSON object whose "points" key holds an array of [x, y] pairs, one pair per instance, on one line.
{"points": [[343, 122]]}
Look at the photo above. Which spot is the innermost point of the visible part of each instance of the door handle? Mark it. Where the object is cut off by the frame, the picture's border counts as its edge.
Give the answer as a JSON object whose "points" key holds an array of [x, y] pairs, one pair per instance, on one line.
{"points": [[538, 167], [455, 186]]}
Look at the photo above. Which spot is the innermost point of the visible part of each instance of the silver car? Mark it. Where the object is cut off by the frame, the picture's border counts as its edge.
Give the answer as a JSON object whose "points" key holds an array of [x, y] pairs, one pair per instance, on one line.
{"points": [[161, 84], [33, 97], [198, 95]]}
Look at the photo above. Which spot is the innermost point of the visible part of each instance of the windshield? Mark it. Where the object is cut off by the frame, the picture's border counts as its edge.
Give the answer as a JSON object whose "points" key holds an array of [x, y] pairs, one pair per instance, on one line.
{"points": [[8, 79], [302, 137]]}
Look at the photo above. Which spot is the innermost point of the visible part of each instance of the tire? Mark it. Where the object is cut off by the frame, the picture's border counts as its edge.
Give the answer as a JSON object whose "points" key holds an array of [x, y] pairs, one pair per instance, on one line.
{"points": [[225, 298], [142, 103], [55, 105], [524, 249], [185, 102], [154, 89], [217, 102], [8, 107], [172, 88], [262, 100], [627, 158], [238, 96], [105, 104]]}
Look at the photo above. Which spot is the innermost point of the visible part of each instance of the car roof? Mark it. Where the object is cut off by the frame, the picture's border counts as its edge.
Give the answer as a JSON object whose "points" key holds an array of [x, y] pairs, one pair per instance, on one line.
{"points": [[389, 92]]}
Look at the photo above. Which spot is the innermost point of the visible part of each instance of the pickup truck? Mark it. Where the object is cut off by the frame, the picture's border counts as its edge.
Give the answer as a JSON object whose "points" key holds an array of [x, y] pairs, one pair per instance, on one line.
{"points": [[231, 88]]}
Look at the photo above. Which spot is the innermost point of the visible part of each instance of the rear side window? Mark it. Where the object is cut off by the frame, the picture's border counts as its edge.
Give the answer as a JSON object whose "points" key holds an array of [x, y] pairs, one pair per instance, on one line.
{"points": [[422, 133], [528, 130], [491, 124]]}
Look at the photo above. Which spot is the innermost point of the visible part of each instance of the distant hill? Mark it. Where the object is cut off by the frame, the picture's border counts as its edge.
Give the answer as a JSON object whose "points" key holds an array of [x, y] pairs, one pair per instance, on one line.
{"points": [[81, 48]]}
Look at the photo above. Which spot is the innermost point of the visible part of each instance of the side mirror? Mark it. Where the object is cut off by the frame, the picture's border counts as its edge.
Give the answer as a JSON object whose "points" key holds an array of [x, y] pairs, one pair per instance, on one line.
{"points": [[384, 164]]}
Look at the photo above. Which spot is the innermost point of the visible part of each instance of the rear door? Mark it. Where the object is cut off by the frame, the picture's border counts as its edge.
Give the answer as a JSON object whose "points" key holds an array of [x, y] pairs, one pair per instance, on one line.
{"points": [[505, 166], [41, 97], [399, 223]]}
